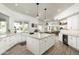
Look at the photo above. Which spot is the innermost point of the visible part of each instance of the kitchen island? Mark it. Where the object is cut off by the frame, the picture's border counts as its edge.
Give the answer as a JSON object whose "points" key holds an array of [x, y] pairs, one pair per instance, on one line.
{"points": [[38, 43]]}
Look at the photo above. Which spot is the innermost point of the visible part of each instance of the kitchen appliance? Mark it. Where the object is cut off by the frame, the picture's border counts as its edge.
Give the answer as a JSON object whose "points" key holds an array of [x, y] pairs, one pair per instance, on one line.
{"points": [[65, 39]]}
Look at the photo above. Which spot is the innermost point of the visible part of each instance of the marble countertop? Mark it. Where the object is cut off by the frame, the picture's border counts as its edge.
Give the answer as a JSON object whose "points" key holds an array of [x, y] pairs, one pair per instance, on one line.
{"points": [[70, 32], [40, 35], [8, 35]]}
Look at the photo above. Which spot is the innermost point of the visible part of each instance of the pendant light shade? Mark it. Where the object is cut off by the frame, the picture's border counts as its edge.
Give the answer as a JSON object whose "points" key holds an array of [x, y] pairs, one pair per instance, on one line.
{"points": [[45, 12], [45, 9], [37, 4]]}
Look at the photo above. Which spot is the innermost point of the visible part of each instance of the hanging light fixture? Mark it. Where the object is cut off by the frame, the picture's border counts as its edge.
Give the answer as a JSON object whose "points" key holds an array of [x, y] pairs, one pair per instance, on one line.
{"points": [[45, 16], [45, 12], [37, 16]]}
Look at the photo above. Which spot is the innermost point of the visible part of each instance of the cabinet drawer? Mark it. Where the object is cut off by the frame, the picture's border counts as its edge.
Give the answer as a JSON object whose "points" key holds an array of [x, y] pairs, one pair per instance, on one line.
{"points": [[42, 41]]}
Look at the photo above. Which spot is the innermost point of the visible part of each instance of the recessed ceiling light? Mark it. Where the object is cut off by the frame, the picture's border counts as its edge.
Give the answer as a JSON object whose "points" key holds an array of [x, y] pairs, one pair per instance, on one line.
{"points": [[16, 4], [58, 10]]}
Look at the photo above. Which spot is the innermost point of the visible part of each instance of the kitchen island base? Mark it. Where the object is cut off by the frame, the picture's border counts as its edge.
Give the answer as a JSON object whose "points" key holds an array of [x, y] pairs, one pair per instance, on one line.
{"points": [[38, 45]]}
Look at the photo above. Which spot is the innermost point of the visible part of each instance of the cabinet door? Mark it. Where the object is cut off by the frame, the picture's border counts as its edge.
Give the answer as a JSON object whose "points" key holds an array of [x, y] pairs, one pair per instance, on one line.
{"points": [[73, 22], [74, 41], [19, 37], [60, 37], [50, 42], [33, 45], [24, 36], [70, 40], [42, 46], [13, 40], [78, 43], [2, 46]]}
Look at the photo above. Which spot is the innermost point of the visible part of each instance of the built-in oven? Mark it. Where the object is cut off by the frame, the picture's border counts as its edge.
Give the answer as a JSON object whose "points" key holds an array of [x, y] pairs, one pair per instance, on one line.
{"points": [[65, 39]]}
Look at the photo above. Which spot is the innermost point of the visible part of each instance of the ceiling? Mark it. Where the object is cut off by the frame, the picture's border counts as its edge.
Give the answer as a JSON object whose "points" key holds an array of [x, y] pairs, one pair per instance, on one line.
{"points": [[31, 9]]}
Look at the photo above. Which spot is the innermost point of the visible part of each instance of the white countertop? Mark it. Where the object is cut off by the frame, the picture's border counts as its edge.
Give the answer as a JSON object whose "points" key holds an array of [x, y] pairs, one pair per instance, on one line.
{"points": [[40, 35], [8, 35], [70, 32]]}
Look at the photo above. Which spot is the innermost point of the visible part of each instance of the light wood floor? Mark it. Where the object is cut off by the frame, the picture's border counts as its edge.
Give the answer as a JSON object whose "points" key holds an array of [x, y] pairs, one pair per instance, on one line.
{"points": [[58, 49]]}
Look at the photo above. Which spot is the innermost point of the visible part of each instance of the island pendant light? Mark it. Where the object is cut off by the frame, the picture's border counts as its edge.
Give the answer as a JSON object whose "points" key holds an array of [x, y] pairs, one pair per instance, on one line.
{"points": [[37, 16], [45, 16]]}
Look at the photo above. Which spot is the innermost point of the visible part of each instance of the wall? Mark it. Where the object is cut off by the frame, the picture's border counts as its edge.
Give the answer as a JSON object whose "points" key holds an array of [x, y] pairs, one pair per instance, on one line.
{"points": [[72, 21], [72, 10], [14, 16]]}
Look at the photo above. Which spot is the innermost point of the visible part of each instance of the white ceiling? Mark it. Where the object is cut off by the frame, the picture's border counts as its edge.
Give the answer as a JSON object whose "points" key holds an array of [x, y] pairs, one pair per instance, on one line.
{"points": [[31, 9]]}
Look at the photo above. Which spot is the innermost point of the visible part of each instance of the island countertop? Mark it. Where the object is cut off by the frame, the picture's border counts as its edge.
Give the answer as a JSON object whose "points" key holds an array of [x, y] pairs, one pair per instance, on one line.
{"points": [[40, 35]]}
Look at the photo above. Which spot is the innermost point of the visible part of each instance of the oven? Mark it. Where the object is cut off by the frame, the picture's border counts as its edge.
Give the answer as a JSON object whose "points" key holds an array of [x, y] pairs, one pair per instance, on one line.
{"points": [[65, 39]]}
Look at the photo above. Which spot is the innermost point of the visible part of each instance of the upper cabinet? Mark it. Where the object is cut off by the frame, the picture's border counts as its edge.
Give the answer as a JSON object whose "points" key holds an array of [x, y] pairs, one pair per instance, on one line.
{"points": [[73, 22]]}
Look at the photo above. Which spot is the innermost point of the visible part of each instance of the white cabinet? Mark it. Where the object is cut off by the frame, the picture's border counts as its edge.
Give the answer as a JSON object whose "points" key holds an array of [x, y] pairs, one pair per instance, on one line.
{"points": [[7, 43], [2, 46], [73, 22], [78, 43], [72, 41], [18, 37], [39, 46], [46, 43], [33, 45], [21, 37], [60, 37], [42, 46], [24, 37]]}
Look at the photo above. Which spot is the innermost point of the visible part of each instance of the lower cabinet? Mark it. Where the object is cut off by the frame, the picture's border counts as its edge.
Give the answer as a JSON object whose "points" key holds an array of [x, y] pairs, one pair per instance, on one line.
{"points": [[8, 42], [78, 43], [70, 40], [24, 37], [33, 45], [73, 41], [39, 46], [60, 37], [2, 46], [21, 37]]}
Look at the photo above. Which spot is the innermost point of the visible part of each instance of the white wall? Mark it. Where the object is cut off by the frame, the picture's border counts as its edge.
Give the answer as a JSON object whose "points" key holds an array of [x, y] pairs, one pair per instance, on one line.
{"points": [[73, 21], [73, 9], [14, 16]]}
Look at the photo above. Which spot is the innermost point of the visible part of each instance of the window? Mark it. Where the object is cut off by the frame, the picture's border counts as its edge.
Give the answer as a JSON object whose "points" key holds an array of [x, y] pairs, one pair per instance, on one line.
{"points": [[40, 28], [21, 26], [17, 26], [25, 27], [3, 27]]}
